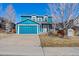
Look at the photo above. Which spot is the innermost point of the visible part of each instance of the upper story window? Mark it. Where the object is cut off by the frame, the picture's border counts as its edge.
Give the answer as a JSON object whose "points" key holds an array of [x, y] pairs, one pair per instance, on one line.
{"points": [[45, 18], [39, 19], [34, 18]]}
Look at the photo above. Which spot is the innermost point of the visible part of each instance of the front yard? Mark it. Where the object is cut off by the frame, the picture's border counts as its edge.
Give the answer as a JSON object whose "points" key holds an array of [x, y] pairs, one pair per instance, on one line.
{"points": [[55, 41]]}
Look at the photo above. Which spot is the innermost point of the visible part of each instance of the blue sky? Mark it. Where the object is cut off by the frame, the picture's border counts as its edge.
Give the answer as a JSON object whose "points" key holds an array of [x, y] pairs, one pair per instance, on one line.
{"points": [[28, 9], [31, 9]]}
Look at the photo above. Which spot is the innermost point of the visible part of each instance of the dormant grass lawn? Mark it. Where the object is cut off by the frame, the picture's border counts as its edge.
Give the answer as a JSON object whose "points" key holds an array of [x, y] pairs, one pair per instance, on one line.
{"points": [[55, 41]]}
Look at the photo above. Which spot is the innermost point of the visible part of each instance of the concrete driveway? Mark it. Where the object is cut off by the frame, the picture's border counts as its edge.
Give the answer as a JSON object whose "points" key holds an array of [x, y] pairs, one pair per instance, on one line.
{"points": [[13, 44], [29, 45]]}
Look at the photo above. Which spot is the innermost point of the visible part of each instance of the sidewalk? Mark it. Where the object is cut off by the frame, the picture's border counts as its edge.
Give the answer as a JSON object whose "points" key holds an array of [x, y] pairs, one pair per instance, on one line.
{"points": [[61, 51]]}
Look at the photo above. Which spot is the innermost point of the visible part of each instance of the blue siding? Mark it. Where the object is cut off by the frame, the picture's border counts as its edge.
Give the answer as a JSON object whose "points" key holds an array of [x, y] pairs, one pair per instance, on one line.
{"points": [[25, 18], [28, 29], [50, 20], [27, 22], [39, 29]]}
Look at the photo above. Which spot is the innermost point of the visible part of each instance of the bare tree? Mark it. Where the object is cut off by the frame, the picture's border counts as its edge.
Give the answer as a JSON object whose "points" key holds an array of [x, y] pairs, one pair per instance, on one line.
{"points": [[72, 12], [10, 17], [63, 11], [56, 14], [10, 13]]}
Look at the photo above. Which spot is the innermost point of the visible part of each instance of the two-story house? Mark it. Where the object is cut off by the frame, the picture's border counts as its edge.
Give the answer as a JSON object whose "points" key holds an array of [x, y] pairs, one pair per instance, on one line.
{"points": [[34, 24]]}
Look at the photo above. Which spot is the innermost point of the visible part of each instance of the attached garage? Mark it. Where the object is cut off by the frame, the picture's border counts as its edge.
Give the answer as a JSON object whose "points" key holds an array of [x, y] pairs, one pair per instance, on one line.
{"points": [[27, 27]]}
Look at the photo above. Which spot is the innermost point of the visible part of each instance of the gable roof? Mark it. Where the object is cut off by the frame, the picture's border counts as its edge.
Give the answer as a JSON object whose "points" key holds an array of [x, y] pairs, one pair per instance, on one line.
{"points": [[26, 20]]}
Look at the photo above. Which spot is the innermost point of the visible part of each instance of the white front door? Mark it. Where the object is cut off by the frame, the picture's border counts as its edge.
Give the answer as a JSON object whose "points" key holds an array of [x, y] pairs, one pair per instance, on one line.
{"points": [[44, 29]]}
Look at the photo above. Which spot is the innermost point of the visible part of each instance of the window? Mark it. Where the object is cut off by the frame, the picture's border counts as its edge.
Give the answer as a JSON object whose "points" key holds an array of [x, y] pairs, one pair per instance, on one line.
{"points": [[45, 18], [39, 19], [34, 18]]}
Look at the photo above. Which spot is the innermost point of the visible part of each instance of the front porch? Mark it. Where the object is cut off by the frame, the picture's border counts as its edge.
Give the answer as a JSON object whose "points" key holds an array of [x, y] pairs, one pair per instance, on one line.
{"points": [[46, 27]]}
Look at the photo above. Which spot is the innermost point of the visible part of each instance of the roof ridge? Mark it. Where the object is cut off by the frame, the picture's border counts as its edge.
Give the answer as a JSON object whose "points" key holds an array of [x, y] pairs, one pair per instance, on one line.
{"points": [[26, 20]]}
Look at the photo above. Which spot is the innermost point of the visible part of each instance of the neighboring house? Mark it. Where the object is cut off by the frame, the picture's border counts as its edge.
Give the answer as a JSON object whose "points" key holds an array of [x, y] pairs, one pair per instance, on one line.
{"points": [[34, 24]]}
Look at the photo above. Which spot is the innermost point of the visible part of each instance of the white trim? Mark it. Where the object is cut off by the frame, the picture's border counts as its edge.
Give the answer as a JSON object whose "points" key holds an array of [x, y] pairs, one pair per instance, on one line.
{"points": [[18, 29], [28, 25], [37, 28]]}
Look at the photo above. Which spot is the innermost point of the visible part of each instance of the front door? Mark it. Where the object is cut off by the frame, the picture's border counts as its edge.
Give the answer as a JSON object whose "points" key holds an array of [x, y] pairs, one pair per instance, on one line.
{"points": [[46, 27]]}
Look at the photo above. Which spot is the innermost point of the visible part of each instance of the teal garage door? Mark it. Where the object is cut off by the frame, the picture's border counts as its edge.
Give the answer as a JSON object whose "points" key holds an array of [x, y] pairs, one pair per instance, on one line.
{"points": [[27, 29]]}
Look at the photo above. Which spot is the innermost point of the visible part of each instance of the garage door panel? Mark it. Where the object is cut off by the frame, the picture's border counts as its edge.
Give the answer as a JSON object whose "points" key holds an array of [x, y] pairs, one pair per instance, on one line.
{"points": [[27, 29]]}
